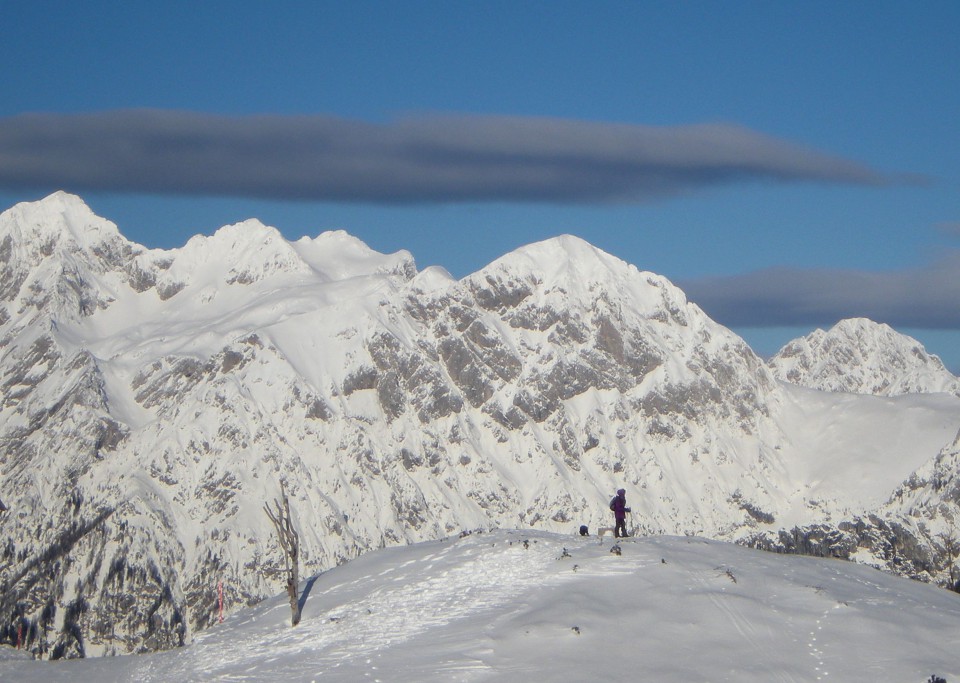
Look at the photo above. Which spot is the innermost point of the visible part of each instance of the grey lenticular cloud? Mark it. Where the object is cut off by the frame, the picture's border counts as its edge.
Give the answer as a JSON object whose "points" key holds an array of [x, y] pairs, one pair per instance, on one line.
{"points": [[427, 159], [926, 298]]}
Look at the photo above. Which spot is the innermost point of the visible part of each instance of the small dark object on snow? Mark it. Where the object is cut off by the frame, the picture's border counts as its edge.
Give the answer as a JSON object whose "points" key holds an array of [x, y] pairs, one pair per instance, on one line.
{"points": [[662, 561], [565, 554], [526, 544], [583, 530], [576, 629], [937, 679], [576, 567], [3, 508], [728, 572], [615, 549]]}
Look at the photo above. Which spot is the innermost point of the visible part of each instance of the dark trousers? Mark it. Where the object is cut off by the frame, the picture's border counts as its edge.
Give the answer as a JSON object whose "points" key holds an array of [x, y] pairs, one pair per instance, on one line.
{"points": [[620, 529]]}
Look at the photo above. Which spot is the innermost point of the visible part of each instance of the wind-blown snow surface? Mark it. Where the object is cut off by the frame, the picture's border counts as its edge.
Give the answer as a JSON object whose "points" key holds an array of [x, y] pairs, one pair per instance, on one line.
{"points": [[519, 606]]}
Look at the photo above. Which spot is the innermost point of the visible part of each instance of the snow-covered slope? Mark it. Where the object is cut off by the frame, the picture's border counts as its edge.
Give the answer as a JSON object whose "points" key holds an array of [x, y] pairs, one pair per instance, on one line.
{"points": [[863, 357], [514, 606], [847, 449], [153, 401]]}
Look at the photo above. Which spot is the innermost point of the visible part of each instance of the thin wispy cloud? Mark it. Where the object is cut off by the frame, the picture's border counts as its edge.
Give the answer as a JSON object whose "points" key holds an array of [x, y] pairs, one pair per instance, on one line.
{"points": [[425, 159], [922, 298]]}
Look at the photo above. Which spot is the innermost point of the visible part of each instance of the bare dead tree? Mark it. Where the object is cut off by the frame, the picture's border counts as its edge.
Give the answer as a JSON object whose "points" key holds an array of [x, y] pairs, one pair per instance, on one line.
{"points": [[290, 544]]}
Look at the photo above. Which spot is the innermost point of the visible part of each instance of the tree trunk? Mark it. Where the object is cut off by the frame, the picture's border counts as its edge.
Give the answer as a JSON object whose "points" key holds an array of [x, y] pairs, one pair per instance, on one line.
{"points": [[290, 544], [294, 600]]}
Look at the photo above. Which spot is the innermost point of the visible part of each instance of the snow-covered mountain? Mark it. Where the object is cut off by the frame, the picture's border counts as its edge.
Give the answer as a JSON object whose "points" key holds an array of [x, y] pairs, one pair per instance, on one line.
{"points": [[153, 401], [863, 357], [912, 531], [512, 606]]}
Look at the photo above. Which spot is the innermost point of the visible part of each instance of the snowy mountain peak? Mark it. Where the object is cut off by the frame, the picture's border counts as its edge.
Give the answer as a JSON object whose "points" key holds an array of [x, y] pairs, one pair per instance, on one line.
{"points": [[338, 255], [570, 270], [61, 261], [241, 253], [860, 356], [246, 238], [432, 279], [57, 223], [249, 252], [563, 259]]}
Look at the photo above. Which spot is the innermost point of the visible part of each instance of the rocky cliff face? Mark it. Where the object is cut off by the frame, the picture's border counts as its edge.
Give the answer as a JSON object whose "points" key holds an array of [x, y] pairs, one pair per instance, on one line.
{"points": [[153, 401]]}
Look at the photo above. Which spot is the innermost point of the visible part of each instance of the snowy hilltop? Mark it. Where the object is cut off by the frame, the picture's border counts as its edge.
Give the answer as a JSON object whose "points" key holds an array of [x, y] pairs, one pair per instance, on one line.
{"points": [[511, 606], [154, 400]]}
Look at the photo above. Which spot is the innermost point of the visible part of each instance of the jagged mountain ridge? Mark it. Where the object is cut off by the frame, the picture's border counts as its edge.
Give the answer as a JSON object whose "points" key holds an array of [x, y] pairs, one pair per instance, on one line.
{"points": [[154, 400], [860, 356]]}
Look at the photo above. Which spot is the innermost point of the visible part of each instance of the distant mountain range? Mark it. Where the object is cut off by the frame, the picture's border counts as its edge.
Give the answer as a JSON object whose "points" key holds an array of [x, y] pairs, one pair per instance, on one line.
{"points": [[154, 400]]}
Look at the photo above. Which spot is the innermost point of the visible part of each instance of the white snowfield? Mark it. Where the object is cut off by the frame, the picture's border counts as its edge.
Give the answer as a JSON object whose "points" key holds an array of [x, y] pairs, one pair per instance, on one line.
{"points": [[534, 606]]}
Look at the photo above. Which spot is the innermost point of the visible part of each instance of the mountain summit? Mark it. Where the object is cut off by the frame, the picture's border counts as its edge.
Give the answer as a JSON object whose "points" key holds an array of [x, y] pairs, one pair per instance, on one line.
{"points": [[863, 357], [59, 218]]}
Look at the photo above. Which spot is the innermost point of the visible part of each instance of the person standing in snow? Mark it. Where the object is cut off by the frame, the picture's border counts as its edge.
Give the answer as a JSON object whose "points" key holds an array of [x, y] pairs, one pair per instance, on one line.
{"points": [[620, 510]]}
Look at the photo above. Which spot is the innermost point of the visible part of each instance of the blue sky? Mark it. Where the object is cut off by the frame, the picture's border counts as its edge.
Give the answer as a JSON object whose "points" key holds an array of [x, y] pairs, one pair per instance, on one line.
{"points": [[787, 164]]}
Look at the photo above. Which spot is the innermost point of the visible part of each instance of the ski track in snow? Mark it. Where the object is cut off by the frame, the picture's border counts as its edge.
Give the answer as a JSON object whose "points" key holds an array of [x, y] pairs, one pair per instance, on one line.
{"points": [[400, 606], [726, 606]]}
